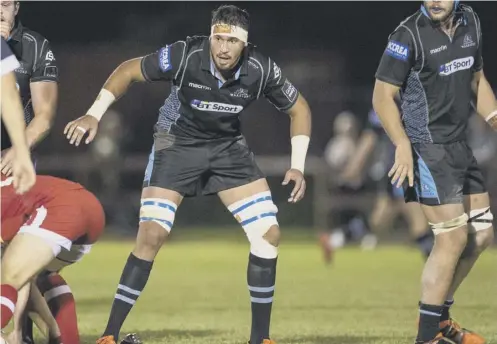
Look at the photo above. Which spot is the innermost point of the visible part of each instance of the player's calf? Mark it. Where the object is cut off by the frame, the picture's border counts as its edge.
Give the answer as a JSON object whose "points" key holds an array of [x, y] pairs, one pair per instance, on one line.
{"points": [[257, 215], [156, 221], [450, 240]]}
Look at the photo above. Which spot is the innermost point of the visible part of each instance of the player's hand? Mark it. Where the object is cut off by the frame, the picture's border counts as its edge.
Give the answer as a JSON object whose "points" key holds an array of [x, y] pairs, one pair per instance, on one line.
{"points": [[76, 129], [23, 171], [299, 189], [403, 166], [8, 156], [5, 30]]}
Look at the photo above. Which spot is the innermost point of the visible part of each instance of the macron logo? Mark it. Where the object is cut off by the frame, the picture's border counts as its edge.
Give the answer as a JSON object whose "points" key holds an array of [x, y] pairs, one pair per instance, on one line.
{"points": [[439, 49]]}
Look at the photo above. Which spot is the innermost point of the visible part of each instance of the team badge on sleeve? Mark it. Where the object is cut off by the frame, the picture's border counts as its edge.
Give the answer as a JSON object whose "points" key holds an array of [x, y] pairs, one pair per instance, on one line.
{"points": [[165, 58], [397, 50], [289, 91]]}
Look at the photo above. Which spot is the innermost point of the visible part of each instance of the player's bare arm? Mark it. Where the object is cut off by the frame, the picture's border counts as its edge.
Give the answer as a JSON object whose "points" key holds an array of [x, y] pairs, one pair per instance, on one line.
{"points": [[44, 98], [13, 117], [486, 104], [300, 132], [384, 104], [115, 87]]}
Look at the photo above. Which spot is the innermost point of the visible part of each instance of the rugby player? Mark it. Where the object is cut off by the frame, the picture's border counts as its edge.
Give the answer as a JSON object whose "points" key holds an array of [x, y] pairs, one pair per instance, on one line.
{"points": [[434, 58], [36, 79], [199, 150], [12, 114], [51, 226]]}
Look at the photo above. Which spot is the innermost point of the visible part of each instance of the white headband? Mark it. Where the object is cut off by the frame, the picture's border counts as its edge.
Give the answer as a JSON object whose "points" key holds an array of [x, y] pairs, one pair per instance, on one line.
{"points": [[230, 31]]}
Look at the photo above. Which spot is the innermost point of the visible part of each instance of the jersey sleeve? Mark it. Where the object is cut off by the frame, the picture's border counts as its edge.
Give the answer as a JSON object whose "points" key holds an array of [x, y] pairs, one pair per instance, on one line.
{"points": [[479, 56], [45, 68], [398, 58], [9, 61], [164, 64], [278, 89]]}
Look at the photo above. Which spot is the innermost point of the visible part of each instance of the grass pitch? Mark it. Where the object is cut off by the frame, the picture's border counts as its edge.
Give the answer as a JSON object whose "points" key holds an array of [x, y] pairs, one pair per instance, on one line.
{"points": [[197, 294]]}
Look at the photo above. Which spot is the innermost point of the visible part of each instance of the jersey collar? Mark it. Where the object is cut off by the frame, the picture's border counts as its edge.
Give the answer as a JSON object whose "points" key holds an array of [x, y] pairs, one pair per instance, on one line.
{"points": [[17, 31], [459, 16]]}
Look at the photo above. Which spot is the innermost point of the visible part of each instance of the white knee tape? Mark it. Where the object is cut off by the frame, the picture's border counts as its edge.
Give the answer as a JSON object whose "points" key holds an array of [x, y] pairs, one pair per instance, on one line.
{"points": [[450, 225], [480, 219], [257, 214], [158, 210]]}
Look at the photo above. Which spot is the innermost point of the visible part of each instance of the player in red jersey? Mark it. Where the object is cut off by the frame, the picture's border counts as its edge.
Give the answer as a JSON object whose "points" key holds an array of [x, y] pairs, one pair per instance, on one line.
{"points": [[51, 226]]}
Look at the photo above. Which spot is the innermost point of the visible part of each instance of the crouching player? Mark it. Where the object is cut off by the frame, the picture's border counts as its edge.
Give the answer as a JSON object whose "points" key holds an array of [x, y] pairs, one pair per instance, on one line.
{"points": [[51, 226]]}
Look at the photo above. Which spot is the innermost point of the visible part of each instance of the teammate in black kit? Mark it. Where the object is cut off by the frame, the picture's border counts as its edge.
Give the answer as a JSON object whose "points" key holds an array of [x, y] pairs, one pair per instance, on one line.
{"points": [[36, 79], [199, 150], [434, 58]]}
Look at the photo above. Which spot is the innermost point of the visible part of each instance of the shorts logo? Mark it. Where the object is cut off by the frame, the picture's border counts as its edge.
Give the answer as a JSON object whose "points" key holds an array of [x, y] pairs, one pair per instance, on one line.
{"points": [[289, 91], [215, 107], [397, 50], [165, 58], [468, 41], [456, 65]]}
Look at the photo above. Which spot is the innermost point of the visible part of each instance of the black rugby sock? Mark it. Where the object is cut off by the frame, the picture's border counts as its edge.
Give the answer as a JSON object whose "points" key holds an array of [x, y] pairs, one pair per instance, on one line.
{"points": [[261, 276], [133, 280]]}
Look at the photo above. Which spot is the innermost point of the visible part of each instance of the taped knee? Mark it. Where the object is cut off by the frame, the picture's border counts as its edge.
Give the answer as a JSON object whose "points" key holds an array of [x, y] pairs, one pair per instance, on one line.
{"points": [[158, 210], [480, 219], [448, 226], [257, 214]]}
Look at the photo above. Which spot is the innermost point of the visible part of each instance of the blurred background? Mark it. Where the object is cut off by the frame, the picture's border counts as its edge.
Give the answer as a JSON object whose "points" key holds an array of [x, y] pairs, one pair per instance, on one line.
{"points": [[330, 51]]}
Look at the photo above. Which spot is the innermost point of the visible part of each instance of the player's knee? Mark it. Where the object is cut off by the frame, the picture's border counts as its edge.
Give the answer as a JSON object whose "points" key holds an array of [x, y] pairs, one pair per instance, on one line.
{"points": [[273, 235], [484, 239], [257, 215], [160, 212], [151, 236]]}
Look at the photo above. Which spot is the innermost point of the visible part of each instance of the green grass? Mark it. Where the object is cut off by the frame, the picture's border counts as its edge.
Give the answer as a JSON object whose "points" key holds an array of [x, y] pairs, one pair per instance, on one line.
{"points": [[197, 294]]}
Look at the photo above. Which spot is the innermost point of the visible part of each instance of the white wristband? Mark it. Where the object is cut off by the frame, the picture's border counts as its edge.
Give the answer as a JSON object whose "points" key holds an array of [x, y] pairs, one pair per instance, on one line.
{"points": [[104, 100], [492, 115], [300, 143]]}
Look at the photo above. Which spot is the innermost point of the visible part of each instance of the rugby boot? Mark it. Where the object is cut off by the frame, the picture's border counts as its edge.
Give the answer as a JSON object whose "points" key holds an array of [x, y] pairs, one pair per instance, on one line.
{"points": [[106, 340], [266, 341], [439, 339], [453, 331], [131, 338]]}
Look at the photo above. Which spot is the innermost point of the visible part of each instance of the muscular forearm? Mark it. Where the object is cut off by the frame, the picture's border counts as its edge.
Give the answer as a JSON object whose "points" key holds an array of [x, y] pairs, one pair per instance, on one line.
{"points": [[12, 112], [389, 115], [37, 130], [22, 301], [39, 305], [300, 132], [486, 102]]}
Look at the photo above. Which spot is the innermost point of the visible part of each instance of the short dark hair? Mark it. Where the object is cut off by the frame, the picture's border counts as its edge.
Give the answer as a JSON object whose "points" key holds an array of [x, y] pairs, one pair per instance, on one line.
{"points": [[231, 15]]}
